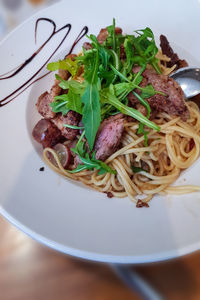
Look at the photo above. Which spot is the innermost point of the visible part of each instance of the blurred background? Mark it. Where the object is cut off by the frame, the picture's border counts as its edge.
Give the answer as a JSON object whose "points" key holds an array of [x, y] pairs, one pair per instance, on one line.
{"points": [[14, 12], [30, 271]]}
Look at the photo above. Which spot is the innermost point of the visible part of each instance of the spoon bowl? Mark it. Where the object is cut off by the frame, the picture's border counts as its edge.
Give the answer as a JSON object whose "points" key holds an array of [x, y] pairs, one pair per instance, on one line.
{"points": [[189, 80]]}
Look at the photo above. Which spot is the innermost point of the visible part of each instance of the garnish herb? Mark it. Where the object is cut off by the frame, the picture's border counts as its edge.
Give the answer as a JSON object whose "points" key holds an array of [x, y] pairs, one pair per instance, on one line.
{"points": [[89, 163], [73, 127], [64, 103], [107, 96], [91, 109], [141, 126], [137, 169], [108, 79], [67, 64], [70, 101]]}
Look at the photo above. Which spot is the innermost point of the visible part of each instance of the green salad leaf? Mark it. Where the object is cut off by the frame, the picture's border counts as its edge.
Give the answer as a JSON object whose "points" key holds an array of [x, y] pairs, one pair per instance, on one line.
{"points": [[108, 79], [70, 101], [67, 64], [89, 163], [107, 96], [64, 103], [90, 98], [137, 169]]}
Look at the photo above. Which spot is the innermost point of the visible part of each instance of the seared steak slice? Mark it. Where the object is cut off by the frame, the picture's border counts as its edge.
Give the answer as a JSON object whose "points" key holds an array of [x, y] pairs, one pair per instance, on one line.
{"points": [[109, 136], [71, 118], [87, 46], [167, 50], [56, 89], [173, 103], [43, 106], [46, 133], [101, 37], [46, 98]]}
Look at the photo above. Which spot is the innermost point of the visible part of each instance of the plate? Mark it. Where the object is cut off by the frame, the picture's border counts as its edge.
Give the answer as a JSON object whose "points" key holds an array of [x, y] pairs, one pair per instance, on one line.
{"points": [[63, 214]]}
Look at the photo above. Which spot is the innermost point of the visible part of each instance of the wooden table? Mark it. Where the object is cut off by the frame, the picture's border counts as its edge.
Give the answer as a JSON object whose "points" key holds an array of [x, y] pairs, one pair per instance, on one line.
{"points": [[30, 271]]}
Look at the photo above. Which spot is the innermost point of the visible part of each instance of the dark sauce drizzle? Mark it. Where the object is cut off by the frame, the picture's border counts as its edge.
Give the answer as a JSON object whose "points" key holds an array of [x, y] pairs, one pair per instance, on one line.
{"points": [[18, 69]]}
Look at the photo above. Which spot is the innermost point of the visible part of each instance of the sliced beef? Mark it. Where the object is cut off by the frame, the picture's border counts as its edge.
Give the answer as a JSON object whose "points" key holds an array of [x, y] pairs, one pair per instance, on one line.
{"points": [[122, 52], [43, 106], [167, 50], [56, 89], [72, 56], [75, 158], [46, 98], [71, 118], [101, 37], [46, 133], [87, 46], [109, 136], [131, 97], [77, 161], [173, 103]]}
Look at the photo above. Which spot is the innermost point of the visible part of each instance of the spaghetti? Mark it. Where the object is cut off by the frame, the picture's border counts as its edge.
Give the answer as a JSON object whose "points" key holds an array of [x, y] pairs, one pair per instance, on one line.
{"points": [[137, 169], [168, 153]]}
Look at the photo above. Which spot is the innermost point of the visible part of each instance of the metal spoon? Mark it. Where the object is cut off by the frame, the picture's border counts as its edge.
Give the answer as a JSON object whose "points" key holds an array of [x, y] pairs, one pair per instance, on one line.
{"points": [[189, 80]]}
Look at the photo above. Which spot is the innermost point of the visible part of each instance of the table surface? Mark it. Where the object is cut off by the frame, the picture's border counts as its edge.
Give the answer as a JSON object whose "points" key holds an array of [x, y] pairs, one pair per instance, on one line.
{"points": [[31, 271]]}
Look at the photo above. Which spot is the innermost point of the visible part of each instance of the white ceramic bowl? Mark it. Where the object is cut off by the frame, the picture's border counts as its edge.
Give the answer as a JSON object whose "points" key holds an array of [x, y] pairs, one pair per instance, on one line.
{"points": [[66, 215]]}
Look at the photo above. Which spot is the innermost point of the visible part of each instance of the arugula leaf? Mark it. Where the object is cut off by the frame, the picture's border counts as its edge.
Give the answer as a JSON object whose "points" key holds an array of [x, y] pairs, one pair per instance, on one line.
{"points": [[70, 101], [108, 110], [75, 86], [122, 89], [106, 76], [91, 110], [80, 149], [111, 34], [67, 64], [64, 103], [118, 73], [89, 163], [92, 163], [137, 169], [148, 91], [141, 126], [138, 60], [105, 167], [116, 60], [73, 127], [138, 77], [145, 47], [91, 113], [79, 168], [60, 105], [105, 57], [104, 54], [107, 96], [144, 103], [129, 56], [145, 133], [113, 40]]}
